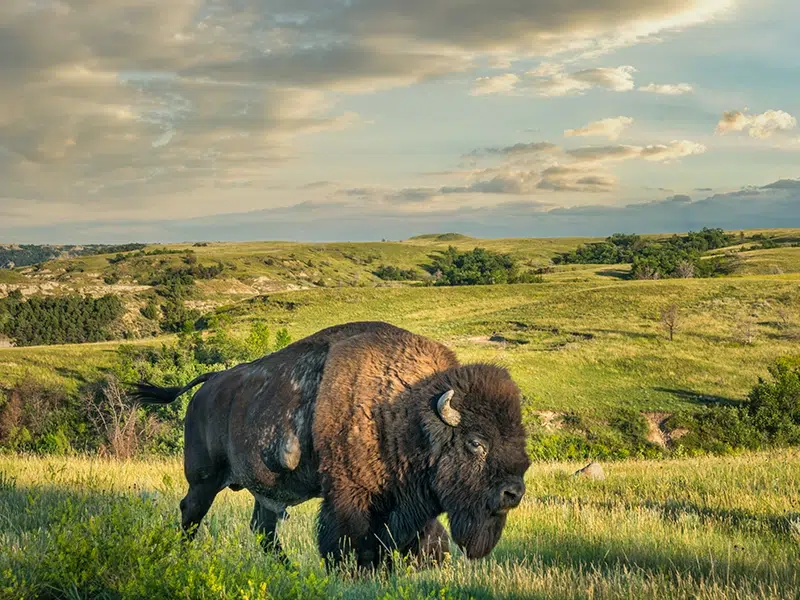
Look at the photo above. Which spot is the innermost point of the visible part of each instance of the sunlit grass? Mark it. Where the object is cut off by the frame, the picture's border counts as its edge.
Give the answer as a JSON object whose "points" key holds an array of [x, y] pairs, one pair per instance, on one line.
{"points": [[691, 528]]}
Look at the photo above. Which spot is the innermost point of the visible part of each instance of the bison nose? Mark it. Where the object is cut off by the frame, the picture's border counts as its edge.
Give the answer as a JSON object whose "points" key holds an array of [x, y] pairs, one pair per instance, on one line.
{"points": [[511, 494]]}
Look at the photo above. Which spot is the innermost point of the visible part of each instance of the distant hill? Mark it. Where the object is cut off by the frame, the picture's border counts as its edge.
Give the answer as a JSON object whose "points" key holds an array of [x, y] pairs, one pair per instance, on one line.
{"points": [[25, 255], [441, 237]]}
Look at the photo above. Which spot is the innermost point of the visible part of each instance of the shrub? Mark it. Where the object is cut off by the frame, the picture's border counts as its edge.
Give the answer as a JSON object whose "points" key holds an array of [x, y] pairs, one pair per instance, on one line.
{"points": [[177, 318], [774, 406], [675, 257], [37, 417], [59, 320], [150, 311], [392, 273], [769, 417], [476, 267]]}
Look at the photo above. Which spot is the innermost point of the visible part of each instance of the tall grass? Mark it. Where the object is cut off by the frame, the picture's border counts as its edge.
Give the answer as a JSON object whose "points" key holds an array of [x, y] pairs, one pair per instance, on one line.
{"points": [[709, 528]]}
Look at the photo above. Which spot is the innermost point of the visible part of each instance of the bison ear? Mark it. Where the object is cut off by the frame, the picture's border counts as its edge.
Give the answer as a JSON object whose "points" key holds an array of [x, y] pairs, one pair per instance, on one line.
{"points": [[447, 413]]}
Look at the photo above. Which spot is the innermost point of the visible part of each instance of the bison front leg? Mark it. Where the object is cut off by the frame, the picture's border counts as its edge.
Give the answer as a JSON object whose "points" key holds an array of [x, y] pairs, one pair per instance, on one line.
{"points": [[430, 545], [341, 533], [264, 523]]}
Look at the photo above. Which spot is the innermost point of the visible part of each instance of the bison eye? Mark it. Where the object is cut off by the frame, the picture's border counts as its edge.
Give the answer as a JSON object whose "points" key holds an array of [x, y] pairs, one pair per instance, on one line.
{"points": [[476, 446]]}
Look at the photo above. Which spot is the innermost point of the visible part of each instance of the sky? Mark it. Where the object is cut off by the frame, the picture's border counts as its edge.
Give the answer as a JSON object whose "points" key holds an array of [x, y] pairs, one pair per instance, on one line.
{"points": [[331, 120]]}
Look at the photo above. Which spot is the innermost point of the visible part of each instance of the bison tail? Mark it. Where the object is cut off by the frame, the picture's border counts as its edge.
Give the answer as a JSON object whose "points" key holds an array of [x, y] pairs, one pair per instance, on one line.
{"points": [[153, 394]]}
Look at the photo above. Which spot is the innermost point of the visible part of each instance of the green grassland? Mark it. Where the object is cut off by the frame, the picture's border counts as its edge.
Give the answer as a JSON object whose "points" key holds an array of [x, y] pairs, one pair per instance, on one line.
{"points": [[256, 267], [586, 339], [711, 528]]}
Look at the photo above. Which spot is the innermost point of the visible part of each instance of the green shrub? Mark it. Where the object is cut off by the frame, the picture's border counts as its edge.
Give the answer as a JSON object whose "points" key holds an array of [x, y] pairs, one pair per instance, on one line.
{"points": [[476, 267], [101, 544], [392, 273], [150, 311], [774, 406], [59, 319], [675, 257], [769, 417]]}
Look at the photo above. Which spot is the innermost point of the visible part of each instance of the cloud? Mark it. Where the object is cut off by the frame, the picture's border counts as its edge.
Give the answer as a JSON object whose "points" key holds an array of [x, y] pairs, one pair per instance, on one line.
{"points": [[668, 89], [505, 26], [527, 169], [655, 152], [520, 149], [129, 104], [575, 179], [351, 67], [616, 79], [611, 128], [759, 126], [499, 84], [783, 184], [754, 207]]}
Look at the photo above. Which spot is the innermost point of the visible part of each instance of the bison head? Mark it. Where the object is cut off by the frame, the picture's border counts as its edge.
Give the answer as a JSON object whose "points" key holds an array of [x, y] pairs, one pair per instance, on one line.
{"points": [[478, 442]]}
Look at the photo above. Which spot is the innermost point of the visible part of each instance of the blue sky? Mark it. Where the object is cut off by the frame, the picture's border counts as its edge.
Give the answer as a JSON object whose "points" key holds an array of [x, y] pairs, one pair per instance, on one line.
{"points": [[369, 119]]}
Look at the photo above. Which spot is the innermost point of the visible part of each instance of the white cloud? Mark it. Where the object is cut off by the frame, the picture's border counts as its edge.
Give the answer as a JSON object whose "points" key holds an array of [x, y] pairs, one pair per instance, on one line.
{"points": [[667, 89], [129, 103], [655, 152], [499, 84], [521, 149], [527, 169], [759, 126], [611, 128], [616, 79]]}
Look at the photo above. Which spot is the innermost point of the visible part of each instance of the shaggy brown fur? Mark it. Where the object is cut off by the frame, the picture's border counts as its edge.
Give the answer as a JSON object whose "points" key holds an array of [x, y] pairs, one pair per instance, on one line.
{"points": [[353, 414]]}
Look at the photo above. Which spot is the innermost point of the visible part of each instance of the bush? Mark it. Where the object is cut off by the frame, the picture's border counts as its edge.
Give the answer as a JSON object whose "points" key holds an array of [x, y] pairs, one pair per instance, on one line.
{"points": [[36, 417], [675, 257], [392, 273], [774, 406], [769, 417], [59, 320], [178, 318], [150, 311], [476, 267]]}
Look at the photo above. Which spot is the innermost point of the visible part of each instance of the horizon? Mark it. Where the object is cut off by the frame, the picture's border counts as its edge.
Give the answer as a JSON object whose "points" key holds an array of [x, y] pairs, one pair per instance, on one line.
{"points": [[358, 121], [420, 236]]}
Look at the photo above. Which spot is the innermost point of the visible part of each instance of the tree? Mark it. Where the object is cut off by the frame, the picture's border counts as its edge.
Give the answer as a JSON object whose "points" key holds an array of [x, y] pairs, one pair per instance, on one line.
{"points": [[670, 319], [684, 270], [282, 339], [257, 343]]}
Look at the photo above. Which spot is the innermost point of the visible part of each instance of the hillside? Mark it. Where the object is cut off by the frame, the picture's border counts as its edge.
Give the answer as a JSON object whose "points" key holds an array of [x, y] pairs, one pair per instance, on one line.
{"points": [[585, 340]]}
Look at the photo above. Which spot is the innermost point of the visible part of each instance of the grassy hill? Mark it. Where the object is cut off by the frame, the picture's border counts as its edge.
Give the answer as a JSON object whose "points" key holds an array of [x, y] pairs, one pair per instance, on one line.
{"points": [[587, 339]]}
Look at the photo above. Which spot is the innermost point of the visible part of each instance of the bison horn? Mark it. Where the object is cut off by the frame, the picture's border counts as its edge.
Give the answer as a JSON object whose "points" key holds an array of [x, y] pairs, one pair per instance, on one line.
{"points": [[448, 414]]}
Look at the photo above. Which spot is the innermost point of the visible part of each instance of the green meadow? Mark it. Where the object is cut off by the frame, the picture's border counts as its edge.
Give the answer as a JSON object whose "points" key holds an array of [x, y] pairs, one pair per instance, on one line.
{"points": [[710, 528]]}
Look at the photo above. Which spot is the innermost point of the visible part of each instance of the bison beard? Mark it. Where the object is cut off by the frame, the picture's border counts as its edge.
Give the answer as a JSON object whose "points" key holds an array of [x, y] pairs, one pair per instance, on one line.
{"points": [[477, 537], [386, 426]]}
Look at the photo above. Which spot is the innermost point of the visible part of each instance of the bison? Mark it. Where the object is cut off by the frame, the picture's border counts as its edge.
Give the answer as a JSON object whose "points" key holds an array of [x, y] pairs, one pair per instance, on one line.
{"points": [[386, 426]]}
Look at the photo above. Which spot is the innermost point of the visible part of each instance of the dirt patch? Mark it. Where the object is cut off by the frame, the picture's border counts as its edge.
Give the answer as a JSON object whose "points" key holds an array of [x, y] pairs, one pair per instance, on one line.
{"points": [[657, 432], [266, 285], [496, 340], [551, 421], [520, 326]]}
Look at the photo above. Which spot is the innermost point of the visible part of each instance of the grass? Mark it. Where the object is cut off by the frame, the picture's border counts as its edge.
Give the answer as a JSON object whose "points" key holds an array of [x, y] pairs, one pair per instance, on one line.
{"points": [[704, 529], [257, 267], [590, 344]]}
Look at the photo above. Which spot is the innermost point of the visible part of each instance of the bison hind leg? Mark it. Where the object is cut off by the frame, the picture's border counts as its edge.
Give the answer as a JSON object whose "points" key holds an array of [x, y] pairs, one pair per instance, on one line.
{"points": [[195, 505], [264, 523]]}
